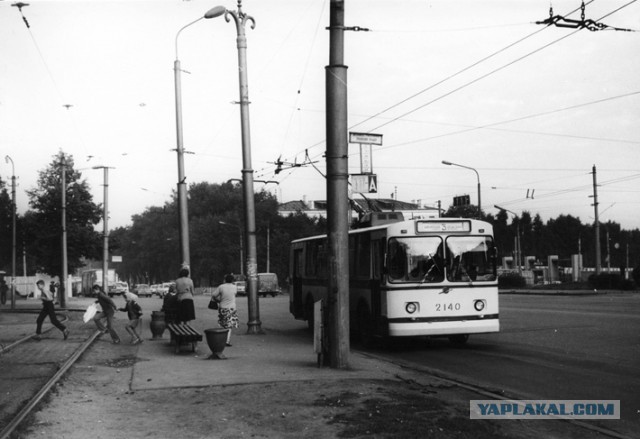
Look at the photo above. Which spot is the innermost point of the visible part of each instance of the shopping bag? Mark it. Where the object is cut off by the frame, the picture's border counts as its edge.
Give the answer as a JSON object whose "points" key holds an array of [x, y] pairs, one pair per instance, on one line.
{"points": [[213, 304], [90, 312]]}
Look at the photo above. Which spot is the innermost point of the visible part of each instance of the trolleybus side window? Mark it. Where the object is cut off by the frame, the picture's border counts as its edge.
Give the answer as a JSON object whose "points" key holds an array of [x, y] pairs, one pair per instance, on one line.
{"points": [[316, 260], [360, 255], [416, 259], [470, 259]]}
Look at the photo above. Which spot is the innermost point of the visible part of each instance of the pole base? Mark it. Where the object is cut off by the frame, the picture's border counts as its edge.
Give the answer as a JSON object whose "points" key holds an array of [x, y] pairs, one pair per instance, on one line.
{"points": [[254, 328]]}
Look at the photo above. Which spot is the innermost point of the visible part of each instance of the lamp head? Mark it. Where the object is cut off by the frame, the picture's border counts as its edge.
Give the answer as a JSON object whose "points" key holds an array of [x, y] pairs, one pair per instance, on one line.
{"points": [[444, 162], [214, 12]]}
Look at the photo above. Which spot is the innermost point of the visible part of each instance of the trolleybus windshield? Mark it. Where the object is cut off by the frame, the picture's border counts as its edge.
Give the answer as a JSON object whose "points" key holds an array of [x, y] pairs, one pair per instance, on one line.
{"points": [[422, 259], [470, 259], [416, 259]]}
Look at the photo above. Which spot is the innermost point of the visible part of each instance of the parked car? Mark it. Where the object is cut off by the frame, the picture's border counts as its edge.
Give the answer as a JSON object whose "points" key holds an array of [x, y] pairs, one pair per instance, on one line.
{"points": [[241, 284], [154, 289], [268, 284], [118, 289], [142, 290], [163, 289]]}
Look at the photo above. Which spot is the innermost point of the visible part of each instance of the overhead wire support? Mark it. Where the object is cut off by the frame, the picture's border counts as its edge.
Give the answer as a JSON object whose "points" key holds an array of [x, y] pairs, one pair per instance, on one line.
{"points": [[20, 5], [282, 165], [583, 23]]}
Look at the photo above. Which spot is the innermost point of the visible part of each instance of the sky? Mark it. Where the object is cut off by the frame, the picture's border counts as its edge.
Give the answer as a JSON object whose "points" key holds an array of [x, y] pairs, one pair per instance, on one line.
{"points": [[530, 108]]}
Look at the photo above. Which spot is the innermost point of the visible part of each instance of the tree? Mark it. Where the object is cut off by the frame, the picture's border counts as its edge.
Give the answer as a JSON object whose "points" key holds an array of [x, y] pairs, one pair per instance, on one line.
{"points": [[150, 245], [43, 224], [467, 211], [6, 213]]}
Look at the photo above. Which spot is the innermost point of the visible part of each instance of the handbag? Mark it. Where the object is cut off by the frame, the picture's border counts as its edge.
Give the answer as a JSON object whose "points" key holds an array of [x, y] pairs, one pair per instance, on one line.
{"points": [[213, 303]]}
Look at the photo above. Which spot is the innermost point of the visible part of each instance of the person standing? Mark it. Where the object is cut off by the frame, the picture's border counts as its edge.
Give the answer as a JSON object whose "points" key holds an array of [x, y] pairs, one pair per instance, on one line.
{"points": [[108, 313], [225, 294], [185, 289], [134, 312], [48, 309], [170, 306]]}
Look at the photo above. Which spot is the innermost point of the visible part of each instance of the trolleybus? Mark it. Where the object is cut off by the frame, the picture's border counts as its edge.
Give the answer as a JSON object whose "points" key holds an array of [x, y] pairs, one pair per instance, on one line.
{"points": [[435, 277]]}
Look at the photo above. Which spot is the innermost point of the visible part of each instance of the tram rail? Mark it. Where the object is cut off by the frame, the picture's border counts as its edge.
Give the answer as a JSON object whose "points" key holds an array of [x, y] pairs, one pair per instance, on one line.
{"points": [[26, 345]]}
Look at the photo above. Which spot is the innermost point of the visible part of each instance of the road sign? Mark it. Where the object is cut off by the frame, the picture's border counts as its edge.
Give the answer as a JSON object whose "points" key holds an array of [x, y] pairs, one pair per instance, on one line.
{"points": [[364, 183], [365, 138]]}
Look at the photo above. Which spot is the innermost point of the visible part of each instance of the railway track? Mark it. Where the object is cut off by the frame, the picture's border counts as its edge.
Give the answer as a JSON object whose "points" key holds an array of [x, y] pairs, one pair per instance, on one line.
{"points": [[30, 369]]}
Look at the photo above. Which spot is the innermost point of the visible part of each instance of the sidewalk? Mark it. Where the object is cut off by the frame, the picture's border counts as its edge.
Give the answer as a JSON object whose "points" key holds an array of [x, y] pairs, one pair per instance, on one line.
{"points": [[283, 353]]}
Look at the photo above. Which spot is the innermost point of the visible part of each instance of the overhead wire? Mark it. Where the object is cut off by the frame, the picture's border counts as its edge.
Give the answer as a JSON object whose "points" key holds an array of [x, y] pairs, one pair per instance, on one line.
{"points": [[50, 73], [453, 76], [544, 113]]}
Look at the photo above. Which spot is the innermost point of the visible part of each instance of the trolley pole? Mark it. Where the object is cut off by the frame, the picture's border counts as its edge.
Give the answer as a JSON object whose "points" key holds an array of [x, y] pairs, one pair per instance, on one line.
{"points": [[337, 193]]}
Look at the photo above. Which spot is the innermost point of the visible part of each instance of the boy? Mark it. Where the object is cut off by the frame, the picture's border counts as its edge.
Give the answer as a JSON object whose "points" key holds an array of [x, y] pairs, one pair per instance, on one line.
{"points": [[108, 311], [48, 309], [134, 312]]}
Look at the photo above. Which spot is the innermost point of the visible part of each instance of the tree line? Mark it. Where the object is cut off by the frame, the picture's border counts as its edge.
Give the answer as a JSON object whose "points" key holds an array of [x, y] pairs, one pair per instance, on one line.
{"points": [[150, 245]]}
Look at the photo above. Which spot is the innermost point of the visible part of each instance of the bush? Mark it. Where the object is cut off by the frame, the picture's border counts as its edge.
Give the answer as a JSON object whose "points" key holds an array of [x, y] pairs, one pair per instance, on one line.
{"points": [[608, 280], [511, 280]]}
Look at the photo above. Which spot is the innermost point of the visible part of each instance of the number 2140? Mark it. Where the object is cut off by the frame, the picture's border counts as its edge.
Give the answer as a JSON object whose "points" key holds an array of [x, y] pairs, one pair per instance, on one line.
{"points": [[447, 307]]}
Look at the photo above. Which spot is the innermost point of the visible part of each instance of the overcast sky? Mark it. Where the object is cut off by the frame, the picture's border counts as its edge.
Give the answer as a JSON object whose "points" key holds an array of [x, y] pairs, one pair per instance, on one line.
{"points": [[475, 83]]}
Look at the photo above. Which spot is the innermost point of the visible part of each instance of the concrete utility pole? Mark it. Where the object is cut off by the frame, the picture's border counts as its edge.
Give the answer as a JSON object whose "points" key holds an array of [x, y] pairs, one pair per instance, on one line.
{"points": [[62, 292], [337, 193], [105, 233], [13, 231], [597, 221]]}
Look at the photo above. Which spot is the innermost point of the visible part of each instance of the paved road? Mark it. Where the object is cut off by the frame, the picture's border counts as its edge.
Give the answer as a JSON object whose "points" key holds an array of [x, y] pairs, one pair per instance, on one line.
{"points": [[551, 347]]}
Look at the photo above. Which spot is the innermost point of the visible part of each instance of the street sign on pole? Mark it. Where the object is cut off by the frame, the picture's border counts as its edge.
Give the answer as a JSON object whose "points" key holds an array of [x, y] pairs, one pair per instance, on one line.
{"points": [[364, 183], [366, 155], [365, 138]]}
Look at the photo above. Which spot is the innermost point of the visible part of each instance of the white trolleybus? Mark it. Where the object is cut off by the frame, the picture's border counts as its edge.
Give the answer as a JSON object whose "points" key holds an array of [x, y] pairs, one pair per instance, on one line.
{"points": [[413, 278]]}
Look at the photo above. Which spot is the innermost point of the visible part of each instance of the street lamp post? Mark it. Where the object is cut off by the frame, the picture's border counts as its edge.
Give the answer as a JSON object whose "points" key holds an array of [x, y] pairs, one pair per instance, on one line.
{"points": [[240, 19], [182, 185], [518, 249], [13, 231], [444, 162]]}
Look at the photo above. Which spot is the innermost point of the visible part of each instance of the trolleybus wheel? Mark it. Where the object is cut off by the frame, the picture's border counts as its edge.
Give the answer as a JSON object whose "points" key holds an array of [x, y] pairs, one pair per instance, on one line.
{"points": [[459, 339]]}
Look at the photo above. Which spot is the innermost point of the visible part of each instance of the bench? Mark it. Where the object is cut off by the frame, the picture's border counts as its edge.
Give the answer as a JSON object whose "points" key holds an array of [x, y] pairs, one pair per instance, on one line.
{"points": [[181, 334]]}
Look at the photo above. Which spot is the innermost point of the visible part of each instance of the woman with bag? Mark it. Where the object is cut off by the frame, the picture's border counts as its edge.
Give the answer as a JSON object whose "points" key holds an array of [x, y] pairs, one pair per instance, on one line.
{"points": [[225, 296]]}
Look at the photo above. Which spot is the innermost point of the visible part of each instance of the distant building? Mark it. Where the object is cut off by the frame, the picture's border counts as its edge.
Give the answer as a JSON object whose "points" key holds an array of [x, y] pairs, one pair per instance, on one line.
{"points": [[318, 208]]}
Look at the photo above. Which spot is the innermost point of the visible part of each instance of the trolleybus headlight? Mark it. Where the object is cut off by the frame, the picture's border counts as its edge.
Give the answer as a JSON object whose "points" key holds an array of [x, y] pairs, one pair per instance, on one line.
{"points": [[411, 307], [479, 305]]}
